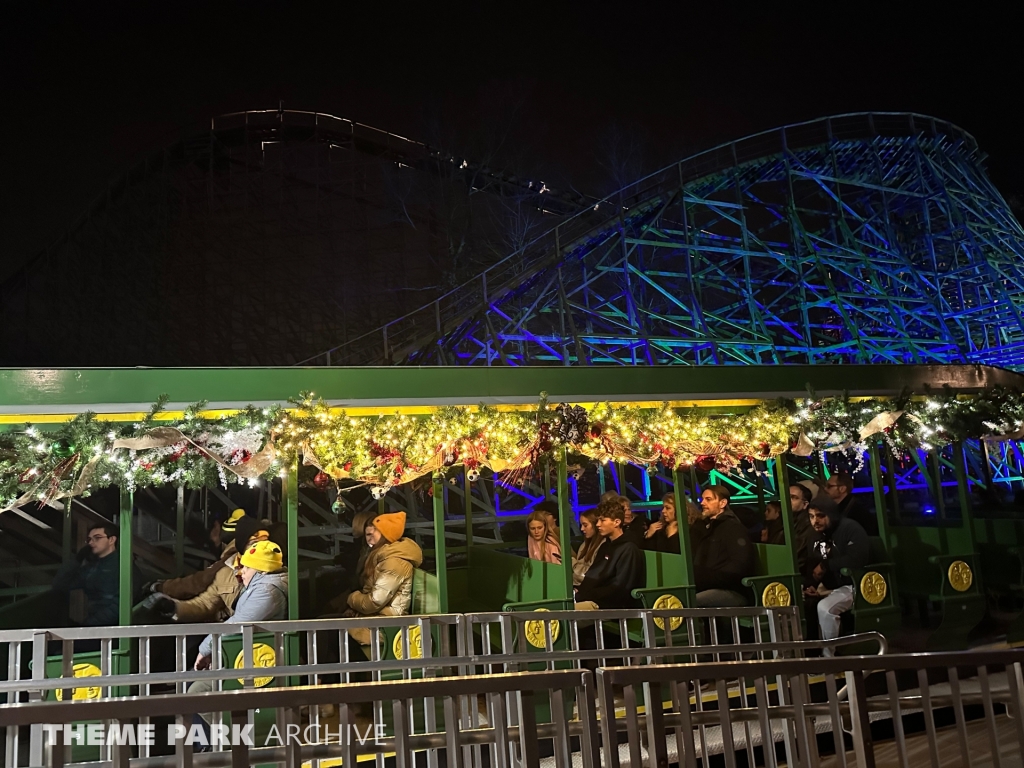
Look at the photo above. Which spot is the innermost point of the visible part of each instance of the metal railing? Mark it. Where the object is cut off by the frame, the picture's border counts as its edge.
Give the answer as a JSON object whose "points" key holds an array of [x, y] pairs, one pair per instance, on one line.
{"points": [[451, 735], [128, 660], [758, 703], [761, 702]]}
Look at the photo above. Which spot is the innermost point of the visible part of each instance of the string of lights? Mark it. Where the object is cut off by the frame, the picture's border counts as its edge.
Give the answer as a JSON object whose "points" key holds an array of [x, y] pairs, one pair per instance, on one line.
{"points": [[196, 450]]}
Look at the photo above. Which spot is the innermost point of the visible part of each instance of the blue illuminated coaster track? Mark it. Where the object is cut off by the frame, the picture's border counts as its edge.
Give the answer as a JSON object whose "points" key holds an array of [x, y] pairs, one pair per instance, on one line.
{"points": [[856, 238]]}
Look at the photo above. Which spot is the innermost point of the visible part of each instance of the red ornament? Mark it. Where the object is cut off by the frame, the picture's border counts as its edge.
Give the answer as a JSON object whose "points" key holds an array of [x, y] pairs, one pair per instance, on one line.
{"points": [[322, 480], [765, 449], [348, 466], [596, 429], [705, 463]]}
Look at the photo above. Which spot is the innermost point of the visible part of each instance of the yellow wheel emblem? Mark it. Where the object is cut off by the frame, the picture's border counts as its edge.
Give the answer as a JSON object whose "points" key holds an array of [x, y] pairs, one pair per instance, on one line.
{"points": [[535, 631], [78, 694], [776, 595], [960, 576], [873, 587], [415, 634], [668, 603], [262, 656]]}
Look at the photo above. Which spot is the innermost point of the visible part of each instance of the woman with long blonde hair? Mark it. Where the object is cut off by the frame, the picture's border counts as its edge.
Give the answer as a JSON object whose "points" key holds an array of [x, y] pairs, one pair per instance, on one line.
{"points": [[543, 544]]}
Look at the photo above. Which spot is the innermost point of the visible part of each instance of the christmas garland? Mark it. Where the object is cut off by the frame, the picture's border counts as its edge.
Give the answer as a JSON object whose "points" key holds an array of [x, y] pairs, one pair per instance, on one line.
{"points": [[85, 454]]}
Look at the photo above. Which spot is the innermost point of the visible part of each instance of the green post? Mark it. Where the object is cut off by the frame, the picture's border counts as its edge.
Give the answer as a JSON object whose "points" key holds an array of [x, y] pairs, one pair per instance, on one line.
{"points": [[290, 491], [124, 553], [966, 514], [440, 549], [66, 534], [467, 487], [782, 483], [564, 520], [179, 534], [682, 522], [877, 485]]}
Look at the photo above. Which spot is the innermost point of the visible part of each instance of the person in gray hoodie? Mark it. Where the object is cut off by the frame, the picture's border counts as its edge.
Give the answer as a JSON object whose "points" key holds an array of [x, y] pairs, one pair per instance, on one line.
{"points": [[838, 543], [264, 597]]}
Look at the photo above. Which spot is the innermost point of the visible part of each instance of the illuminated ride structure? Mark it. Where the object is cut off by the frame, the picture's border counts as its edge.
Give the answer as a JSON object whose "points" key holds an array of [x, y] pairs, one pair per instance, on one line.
{"points": [[862, 238]]}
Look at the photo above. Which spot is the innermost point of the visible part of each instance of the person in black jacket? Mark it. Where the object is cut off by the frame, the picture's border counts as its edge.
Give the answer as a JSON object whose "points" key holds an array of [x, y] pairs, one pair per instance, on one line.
{"points": [[618, 568], [838, 543], [723, 555], [840, 489]]}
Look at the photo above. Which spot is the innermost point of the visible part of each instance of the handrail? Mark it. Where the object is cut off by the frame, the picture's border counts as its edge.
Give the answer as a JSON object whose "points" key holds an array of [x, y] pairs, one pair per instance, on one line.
{"points": [[794, 136]]}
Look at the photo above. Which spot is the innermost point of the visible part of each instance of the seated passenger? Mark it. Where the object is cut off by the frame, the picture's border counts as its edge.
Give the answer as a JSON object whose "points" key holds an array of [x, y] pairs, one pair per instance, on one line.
{"points": [[592, 540], [663, 534], [96, 571], [550, 510], [387, 574], [634, 526], [838, 543], [264, 597], [773, 531], [618, 569], [723, 555], [216, 602], [543, 544], [840, 489]]}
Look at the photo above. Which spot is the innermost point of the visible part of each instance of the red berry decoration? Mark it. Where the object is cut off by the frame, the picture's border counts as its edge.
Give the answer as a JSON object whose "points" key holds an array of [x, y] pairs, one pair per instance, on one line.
{"points": [[322, 480], [705, 463]]}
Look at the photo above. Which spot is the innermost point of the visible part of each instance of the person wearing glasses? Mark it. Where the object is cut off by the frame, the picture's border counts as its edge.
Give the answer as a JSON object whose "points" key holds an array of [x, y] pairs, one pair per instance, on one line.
{"points": [[840, 489], [96, 571]]}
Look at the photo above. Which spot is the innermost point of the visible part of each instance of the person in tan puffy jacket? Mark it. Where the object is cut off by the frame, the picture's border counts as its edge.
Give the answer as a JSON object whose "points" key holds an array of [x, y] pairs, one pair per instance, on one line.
{"points": [[215, 601], [387, 574]]}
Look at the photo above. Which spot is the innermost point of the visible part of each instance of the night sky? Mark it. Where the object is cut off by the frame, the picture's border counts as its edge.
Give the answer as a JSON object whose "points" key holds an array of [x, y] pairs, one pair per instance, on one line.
{"points": [[91, 88]]}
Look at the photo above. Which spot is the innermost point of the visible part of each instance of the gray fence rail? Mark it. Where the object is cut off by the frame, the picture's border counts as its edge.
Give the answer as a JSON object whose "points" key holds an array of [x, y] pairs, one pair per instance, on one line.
{"points": [[759, 702]]}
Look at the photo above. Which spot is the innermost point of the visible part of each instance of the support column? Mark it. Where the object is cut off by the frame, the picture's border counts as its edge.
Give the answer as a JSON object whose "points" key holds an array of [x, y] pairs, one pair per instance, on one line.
{"points": [[467, 488], [966, 513], [124, 553], [878, 488], [179, 534], [290, 498], [564, 526], [682, 522], [66, 533], [440, 548], [782, 483]]}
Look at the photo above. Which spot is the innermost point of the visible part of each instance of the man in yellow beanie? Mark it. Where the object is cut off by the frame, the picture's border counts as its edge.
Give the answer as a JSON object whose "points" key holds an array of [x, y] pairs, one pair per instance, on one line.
{"points": [[387, 574]]}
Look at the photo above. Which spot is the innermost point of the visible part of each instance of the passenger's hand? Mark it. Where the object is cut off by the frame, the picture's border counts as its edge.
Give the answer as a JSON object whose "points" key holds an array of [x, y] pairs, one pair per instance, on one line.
{"points": [[655, 527], [764, 535], [811, 591], [202, 662]]}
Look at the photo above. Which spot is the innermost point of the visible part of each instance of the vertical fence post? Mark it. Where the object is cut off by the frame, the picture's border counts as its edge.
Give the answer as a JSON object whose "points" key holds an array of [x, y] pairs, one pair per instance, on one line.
{"points": [[440, 549]]}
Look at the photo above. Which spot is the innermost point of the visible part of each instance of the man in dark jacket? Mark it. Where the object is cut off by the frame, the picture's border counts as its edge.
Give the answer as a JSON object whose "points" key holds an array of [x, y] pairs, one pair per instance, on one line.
{"points": [[723, 556], [618, 569], [96, 571], [838, 543], [840, 489]]}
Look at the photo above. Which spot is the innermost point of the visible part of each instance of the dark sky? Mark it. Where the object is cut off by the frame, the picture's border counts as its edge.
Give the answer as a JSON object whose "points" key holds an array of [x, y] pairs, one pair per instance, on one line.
{"points": [[91, 87]]}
